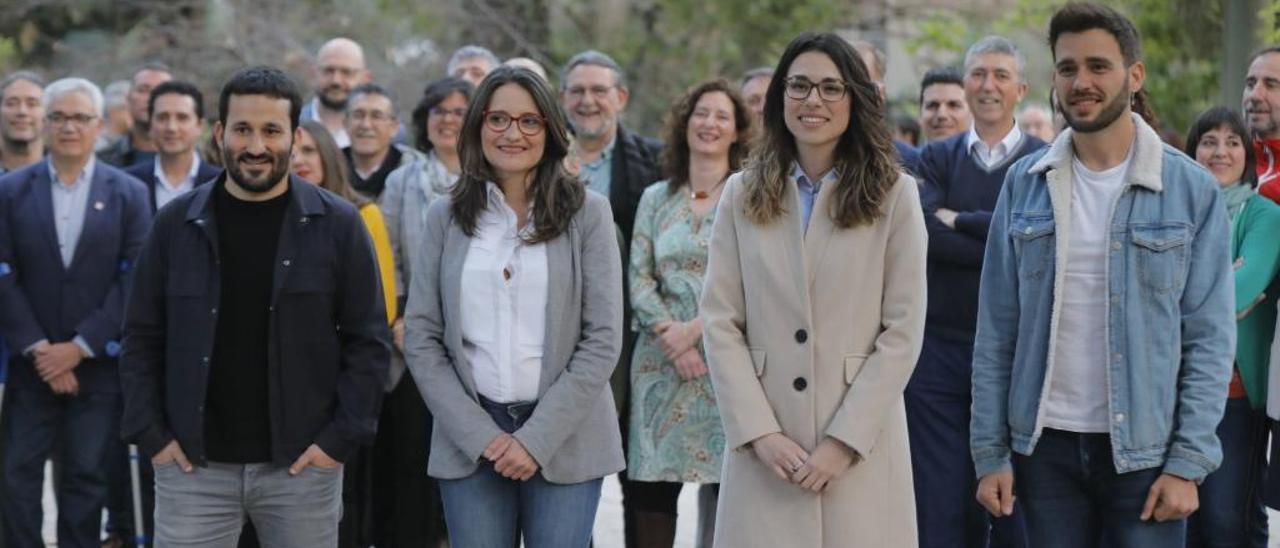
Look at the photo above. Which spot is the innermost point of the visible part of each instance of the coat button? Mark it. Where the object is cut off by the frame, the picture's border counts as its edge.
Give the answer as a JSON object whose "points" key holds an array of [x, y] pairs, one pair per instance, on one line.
{"points": [[801, 336], [800, 384]]}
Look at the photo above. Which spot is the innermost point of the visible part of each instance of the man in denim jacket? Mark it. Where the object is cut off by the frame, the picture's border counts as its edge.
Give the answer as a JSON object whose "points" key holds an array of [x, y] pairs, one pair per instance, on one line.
{"points": [[1105, 325]]}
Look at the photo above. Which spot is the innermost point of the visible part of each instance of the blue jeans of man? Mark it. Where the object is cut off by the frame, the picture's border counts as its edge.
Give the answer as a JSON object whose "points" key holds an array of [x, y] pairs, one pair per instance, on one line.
{"points": [[1073, 497], [1231, 514], [207, 507], [486, 510], [83, 425], [938, 401]]}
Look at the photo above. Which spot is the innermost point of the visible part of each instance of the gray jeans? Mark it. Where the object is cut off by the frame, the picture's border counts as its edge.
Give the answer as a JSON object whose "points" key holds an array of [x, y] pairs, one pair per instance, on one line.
{"points": [[207, 507]]}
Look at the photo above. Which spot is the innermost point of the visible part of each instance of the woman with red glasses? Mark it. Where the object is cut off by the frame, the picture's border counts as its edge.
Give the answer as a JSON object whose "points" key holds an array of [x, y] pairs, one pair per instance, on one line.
{"points": [[513, 326]]}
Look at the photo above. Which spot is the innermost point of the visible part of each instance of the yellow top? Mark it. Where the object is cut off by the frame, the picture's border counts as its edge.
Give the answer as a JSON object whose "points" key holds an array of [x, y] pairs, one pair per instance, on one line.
{"points": [[382, 249]]}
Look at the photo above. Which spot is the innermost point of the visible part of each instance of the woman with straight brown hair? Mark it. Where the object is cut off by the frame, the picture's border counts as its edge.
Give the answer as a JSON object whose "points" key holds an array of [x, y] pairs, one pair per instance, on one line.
{"points": [[513, 326], [813, 314]]}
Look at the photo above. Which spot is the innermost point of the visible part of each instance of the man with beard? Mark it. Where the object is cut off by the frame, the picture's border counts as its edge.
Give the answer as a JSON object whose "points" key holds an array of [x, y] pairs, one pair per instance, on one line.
{"points": [[176, 111], [339, 69], [1106, 319], [1261, 106], [21, 120], [961, 177], [136, 146], [70, 228], [256, 345], [372, 126], [619, 164], [944, 110]]}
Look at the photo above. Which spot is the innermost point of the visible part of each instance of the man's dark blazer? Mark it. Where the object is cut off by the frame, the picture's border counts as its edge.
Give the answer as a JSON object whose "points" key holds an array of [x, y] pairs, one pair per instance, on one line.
{"points": [[146, 172], [42, 299], [635, 167]]}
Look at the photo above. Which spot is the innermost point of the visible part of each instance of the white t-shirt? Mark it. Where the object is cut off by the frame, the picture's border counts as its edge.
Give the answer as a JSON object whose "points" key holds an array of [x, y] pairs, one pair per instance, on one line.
{"points": [[1077, 400]]}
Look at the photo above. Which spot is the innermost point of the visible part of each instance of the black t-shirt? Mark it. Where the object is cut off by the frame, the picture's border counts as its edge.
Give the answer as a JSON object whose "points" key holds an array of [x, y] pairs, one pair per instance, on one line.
{"points": [[238, 419], [377, 181]]}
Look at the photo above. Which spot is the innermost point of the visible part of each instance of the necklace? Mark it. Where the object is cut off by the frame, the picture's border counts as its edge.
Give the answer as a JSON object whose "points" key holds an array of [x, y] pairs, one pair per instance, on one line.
{"points": [[704, 194]]}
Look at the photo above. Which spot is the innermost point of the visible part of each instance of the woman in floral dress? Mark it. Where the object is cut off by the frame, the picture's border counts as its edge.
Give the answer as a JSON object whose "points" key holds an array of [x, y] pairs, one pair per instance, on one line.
{"points": [[675, 432]]}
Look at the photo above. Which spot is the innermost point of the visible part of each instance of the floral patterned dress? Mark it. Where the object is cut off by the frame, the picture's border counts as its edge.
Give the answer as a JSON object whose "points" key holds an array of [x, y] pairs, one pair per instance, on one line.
{"points": [[675, 431]]}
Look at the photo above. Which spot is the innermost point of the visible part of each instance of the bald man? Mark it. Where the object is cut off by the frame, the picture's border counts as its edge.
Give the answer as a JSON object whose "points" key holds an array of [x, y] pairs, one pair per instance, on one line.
{"points": [[339, 68]]}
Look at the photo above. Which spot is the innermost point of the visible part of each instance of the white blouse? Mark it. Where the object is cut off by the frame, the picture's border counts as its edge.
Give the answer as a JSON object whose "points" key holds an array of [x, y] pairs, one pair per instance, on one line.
{"points": [[504, 305]]}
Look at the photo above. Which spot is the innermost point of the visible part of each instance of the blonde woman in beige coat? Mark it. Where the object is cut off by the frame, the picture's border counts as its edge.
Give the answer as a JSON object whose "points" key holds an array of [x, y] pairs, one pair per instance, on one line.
{"points": [[813, 314]]}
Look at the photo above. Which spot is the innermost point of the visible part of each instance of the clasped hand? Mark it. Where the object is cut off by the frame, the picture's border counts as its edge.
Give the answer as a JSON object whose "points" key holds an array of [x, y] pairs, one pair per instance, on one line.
{"points": [[812, 472]]}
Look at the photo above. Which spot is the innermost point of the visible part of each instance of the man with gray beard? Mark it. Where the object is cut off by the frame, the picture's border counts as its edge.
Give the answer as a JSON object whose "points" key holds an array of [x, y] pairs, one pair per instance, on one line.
{"points": [[619, 164]]}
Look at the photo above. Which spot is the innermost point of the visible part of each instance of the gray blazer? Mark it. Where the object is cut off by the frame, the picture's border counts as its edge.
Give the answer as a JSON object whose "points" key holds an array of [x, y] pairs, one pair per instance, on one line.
{"points": [[573, 432]]}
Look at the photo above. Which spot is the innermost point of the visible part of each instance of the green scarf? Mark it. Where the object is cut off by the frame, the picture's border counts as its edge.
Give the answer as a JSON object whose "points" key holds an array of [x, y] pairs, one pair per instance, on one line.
{"points": [[1236, 195]]}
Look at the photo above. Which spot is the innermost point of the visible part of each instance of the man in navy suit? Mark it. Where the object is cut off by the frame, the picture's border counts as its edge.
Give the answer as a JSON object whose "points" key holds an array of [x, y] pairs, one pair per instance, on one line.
{"points": [[70, 228], [176, 111]]}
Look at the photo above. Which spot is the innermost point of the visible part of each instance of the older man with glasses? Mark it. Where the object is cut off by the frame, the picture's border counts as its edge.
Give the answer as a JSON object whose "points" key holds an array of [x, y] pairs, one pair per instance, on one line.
{"points": [[372, 126], [68, 237]]}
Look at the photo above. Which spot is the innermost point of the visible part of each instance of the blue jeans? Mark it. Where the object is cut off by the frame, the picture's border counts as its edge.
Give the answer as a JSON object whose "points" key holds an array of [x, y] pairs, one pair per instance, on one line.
{"points": [[1231, 513], [84, 426], [486, 510], [1072, 496]]}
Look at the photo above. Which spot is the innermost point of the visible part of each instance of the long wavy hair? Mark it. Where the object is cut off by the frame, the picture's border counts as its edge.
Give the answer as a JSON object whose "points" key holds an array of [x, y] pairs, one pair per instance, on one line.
{"points": [[557, 195], [675, 157], [864, 157]]}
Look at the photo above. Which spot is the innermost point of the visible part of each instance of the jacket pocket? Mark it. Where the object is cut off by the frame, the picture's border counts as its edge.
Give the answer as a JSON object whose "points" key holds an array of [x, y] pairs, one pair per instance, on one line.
{"points": [[305, 279], [852, 365], [1161, 251], [757, 360], [1033, 242]]}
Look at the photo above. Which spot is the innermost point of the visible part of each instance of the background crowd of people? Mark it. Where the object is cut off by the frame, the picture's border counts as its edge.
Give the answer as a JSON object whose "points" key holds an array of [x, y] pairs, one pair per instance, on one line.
{"points": [[318, 325]]}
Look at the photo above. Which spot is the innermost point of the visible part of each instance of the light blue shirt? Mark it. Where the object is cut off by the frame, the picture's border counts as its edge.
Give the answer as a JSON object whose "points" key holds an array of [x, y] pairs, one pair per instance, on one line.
{"points": [[599, 174], [70, 203], [809, 190]]}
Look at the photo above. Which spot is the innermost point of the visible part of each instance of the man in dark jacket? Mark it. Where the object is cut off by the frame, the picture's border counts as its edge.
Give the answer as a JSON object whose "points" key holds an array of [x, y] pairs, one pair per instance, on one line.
{"points": [[136, 145], [176, 111], [256, 344], [619, 164]]}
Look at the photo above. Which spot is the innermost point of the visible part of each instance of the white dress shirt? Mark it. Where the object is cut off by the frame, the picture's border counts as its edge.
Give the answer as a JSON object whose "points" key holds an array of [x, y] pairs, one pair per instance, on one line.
{"points": [[504, 305], [167, 191], [990, 156]]}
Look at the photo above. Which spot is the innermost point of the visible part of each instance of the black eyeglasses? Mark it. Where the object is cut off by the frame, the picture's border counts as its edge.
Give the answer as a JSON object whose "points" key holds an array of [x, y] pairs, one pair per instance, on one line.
{"points": [[799, 88], [528, 123]]}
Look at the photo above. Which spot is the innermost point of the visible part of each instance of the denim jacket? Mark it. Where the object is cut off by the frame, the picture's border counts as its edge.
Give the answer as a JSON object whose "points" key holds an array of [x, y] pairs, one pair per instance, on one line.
{"points": [[1170, 311]]}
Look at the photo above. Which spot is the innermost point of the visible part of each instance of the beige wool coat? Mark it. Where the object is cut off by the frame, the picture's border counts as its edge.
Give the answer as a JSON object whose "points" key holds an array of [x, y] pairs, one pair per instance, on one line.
{"points": [[815, 334]]}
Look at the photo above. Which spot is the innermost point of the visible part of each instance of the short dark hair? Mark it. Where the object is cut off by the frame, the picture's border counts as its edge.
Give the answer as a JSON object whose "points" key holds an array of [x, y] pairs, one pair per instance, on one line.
{"points": [[372, 89], [1078, 17], [435, 93], [1265, 51], [177, 87], [262, 80], [940, 75], [1215, 118]]}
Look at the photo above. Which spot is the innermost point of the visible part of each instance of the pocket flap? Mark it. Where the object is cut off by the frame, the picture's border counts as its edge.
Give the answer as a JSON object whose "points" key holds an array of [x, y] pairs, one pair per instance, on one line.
{"points": [[1159, 238], [757, 360], [852, 365], [1030, 228]]}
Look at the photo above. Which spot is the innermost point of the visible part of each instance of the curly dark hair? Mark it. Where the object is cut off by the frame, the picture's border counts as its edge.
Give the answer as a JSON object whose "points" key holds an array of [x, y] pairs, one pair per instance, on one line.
{"points": [[675, 157]]}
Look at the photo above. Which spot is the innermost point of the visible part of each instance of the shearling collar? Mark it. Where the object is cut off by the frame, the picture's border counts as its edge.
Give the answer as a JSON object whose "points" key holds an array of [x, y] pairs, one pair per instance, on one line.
{"points": [[1147, 158]]}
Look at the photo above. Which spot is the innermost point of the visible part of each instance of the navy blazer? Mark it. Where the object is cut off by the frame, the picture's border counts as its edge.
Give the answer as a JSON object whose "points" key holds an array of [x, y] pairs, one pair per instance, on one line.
{"points": [[42, 299], [328, 341], [146, 172]]}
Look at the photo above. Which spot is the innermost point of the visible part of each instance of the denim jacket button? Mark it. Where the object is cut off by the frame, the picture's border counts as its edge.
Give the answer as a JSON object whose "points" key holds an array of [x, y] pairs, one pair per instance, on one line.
{"points": [[1115, 246], [1119, 417], [1027, 231]]}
